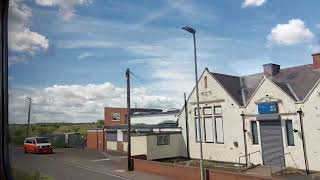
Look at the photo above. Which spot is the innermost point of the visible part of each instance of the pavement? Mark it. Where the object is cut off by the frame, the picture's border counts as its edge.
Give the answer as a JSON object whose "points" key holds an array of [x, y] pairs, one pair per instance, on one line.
{"points": [[78, 164], [265, 171]]}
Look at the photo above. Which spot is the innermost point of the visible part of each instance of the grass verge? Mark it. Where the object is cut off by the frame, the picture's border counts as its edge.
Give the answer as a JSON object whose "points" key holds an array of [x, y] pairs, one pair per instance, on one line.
{"points": [[20, 174]]}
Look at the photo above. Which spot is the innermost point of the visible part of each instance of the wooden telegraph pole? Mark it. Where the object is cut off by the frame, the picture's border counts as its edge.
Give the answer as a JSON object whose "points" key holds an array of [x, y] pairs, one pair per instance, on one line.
{"points": [[130, 168]]}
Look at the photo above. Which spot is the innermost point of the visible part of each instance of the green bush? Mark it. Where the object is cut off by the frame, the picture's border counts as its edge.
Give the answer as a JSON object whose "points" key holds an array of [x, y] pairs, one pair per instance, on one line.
{"points": [[17, 140]]}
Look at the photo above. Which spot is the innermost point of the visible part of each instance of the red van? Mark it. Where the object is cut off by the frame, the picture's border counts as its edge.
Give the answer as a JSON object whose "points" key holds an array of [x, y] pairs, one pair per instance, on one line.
{"points": [[37, 145]]}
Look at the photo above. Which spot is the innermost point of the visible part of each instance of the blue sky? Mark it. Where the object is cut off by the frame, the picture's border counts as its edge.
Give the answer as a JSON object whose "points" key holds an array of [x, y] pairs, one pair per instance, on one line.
{"points": [[73, 54]]}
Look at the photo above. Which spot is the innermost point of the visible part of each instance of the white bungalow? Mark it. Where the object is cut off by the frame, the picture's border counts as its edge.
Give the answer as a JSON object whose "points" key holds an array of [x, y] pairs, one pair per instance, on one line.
{"points": [[267, 118]]}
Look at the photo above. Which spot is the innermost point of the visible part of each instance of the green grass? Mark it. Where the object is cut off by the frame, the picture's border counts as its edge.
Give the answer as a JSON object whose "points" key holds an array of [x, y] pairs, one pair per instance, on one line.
{"points": [[20, 174], [18, 131]]}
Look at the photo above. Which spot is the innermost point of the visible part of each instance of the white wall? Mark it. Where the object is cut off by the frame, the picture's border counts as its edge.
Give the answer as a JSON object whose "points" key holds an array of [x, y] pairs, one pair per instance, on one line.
{"points": [[176, 147], [139, 145], [125, 146], [112, 145], [153, 119], [287, 109], [311, 122], [147, 145], [215, 95]]}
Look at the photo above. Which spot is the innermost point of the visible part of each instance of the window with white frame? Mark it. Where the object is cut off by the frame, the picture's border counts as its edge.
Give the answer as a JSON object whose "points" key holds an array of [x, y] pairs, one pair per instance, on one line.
{"points": [[115, 116], [163, 139]]}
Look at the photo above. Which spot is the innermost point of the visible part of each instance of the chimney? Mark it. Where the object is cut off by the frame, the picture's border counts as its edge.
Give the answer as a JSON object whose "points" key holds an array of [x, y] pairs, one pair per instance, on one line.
{"points": [[316, 61], [271, 69]]}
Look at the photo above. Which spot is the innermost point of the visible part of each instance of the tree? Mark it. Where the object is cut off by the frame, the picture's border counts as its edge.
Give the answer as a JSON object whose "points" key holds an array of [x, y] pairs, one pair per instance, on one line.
{"points": [[100, 123]]}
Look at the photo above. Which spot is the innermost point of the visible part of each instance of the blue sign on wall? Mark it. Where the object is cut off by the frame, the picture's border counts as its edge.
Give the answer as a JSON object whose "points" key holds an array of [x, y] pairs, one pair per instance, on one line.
{"points": [[268, 107]]}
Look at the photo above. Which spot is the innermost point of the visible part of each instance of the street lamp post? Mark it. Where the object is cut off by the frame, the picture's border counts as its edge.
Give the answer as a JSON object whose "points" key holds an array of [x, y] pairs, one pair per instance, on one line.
{"points": [[193, 32], [29, 111]]}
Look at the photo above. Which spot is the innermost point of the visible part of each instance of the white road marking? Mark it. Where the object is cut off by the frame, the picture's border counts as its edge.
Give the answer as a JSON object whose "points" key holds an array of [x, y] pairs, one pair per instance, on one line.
{"points": [[97, 160], [123, 157], [87, 168], [101, 172], [120, 170]]}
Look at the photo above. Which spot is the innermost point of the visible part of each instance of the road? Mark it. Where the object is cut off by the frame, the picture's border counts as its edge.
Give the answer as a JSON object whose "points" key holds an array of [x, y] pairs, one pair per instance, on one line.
{"points": [[78, 164]]}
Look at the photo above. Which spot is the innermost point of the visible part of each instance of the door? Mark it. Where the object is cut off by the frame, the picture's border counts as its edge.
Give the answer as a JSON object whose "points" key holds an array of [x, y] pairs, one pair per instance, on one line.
{"points": [[272, 143]]}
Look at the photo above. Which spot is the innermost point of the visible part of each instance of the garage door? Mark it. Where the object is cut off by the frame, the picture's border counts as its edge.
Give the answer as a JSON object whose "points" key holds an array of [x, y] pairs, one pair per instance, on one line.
{"points": [[272, 143]]}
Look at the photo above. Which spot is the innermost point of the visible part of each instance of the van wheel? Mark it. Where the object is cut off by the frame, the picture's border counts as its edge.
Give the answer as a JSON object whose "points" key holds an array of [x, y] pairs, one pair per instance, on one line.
{"points": [[25, 151]]}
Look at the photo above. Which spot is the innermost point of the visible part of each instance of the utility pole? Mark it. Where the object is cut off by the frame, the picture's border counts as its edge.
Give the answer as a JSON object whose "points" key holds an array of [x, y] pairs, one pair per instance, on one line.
{"points": [[29, 111], [303, 142], [130, 168], [187, 124], [244, 130]]}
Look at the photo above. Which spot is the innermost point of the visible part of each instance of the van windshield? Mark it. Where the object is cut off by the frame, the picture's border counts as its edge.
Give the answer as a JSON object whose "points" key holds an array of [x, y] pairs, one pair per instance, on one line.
{"points": [[42, 140]]}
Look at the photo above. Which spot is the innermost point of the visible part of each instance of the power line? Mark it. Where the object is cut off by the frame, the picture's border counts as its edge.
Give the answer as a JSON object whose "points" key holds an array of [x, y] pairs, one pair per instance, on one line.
{"points": [[140, 80]]}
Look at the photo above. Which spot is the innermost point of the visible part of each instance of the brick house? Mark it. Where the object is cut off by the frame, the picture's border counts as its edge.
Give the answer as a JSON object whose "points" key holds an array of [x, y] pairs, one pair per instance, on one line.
{"points": [[113, 117]]}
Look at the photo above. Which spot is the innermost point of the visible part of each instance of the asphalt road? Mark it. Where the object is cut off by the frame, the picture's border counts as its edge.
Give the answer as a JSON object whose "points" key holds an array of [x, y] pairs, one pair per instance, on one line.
{"points": [[78, 164]]}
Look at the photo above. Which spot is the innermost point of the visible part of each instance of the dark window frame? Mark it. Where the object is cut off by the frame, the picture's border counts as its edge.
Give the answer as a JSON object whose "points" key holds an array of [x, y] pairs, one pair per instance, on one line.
{"points": [[254, 134], [205, 131], [113, 115], [162, 142], [196, 129], [214, 110], [196, 112], [289, 143], [205, 82], [215, 126], [208, 107]]}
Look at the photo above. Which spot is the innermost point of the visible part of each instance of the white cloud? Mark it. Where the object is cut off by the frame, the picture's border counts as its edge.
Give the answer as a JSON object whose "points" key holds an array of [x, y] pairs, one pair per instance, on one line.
{"points": [[314, 48], [85, 44], [85, 55], [294, 32], [20, 37], [79, 103], [253, 65], [66, 7], [251, 3], [17, 60]]}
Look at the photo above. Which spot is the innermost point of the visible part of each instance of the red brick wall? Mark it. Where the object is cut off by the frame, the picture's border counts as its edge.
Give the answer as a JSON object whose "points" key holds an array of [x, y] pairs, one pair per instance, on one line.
{"points": [[95, 140], [175, 172], [316, 61], [100, 140], [107, 116], [92, 140], [234, 176], [189, 173]]}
